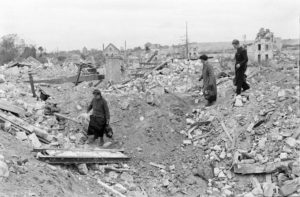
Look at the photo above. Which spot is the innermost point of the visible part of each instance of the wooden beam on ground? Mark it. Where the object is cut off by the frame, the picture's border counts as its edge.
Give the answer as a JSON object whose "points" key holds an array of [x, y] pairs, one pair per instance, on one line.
{"points": [[7, 106], [82, 156], [78, 74], [148, 63], [256, 168], [66, 117], [110, 189], [78, 150], [110, 168], [31, 84], [97, 83], [71, 79], [24, 126], [160, 66], [152, 56], [226, 130]]}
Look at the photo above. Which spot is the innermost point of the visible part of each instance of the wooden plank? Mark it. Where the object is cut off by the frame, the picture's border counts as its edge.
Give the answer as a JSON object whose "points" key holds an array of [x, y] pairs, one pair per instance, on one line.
{"points": [[66, 117], [226, 131], [157, 165], [290, 186], [7, 106], [23, 125], [77, 149], [71, 79], [78, 75], [256, 168], [82, 156], [62, 160], [152, 56], [110, 189]]}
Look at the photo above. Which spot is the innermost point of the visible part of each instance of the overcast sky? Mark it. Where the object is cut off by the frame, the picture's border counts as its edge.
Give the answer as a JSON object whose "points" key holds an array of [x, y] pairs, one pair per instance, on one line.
{"points": [[73, 24]]}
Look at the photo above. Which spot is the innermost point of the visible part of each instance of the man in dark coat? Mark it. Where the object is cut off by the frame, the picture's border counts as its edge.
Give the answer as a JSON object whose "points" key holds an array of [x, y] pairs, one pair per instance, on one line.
{"points": [[99, 118], [241, 60], [209, 81]]}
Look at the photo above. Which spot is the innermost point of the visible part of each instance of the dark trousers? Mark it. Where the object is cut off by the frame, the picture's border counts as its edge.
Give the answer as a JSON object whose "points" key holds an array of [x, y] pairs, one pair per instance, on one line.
{"points": [[96, 126], [240, 79], [211, 99]]}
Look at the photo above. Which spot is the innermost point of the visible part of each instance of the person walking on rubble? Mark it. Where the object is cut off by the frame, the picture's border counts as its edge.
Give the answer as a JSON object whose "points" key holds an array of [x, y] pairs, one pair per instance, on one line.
{"points": [[209, 81], [99, 118], [241, 60]]}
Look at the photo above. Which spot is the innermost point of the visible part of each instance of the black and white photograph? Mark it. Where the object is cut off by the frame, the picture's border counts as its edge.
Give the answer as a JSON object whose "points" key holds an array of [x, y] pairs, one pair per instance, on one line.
{"points": [[149, 98]]}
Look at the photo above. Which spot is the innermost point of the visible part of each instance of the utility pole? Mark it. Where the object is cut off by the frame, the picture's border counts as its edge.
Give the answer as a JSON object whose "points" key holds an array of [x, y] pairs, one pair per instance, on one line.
{"points": [[299, 48], [186, 41], [125, 53]]}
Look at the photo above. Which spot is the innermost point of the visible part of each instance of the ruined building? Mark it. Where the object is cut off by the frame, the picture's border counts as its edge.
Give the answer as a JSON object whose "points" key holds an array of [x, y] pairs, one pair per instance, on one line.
{"points": [[263, 47], [111, 51], [263, 50]]}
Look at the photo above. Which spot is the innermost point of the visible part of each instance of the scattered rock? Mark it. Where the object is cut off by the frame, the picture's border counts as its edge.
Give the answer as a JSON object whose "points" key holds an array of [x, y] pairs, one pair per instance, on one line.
{"points": [[138, 194], [125, 104], [120, 188], [217, 171], [72, 138], [7, 126], [126, 177], [82, 169], [227, 192], [296, 168], [222, 155], [204, 171], [172, 167], [34, 140], [281, 93], [268, 189], [217, 148], [238, 101], [4, 172], [286, 149], [187, 142], [291, 141], [262, 143], [283, 156], [52, 167], [257, 191], [250, 194], [222, 175], [21, 135], [290, 187], [281, 178], [190, 121], [2, 78], [113, 175], [165, 182], [78, 107], [107, 144]]}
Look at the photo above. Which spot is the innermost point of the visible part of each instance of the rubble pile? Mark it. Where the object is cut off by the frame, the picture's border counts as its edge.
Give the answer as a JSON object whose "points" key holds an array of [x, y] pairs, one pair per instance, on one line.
{"points": [[246, 145], [176, 77], [266, 141]]}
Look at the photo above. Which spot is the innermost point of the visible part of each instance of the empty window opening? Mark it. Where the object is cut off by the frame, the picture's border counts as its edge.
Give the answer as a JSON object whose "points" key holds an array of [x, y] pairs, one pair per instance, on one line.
{"points": [[267, 47]]}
